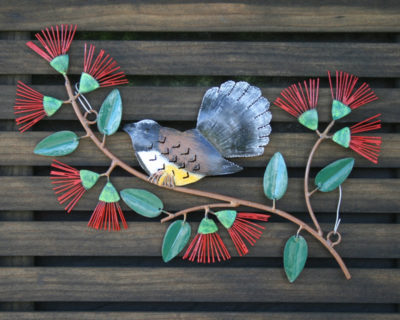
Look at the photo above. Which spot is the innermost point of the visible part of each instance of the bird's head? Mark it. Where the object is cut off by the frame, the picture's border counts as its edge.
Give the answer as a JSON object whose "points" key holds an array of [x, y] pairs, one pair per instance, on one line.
{"points": [[143, 133]]}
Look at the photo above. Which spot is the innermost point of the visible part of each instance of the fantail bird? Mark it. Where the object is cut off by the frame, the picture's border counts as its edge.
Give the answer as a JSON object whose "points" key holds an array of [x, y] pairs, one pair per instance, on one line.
{"points": [[233, 121]]}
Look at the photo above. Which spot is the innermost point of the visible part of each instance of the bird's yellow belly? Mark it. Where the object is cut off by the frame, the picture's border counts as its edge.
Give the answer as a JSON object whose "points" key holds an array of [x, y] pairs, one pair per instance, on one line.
{"points": [[181, 176]]}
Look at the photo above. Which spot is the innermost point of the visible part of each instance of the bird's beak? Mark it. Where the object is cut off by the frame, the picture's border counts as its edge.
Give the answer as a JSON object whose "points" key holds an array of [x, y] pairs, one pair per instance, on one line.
{"points": [[129, 128]]}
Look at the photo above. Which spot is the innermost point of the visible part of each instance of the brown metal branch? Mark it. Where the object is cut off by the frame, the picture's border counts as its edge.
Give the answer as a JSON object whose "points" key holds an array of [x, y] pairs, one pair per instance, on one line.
{"points": [[307, 193], [230, 201]]}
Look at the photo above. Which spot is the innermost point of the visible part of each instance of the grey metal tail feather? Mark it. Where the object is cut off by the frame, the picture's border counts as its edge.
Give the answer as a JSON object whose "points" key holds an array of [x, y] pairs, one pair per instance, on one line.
{"points": [[235, 119]]}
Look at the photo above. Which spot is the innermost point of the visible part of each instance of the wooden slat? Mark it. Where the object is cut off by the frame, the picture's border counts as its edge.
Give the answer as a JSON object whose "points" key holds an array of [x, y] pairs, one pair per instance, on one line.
{"points": [[145, 238], [18, 150], [360, 195], [203, 284], [221, 58], [106, 315], [227, 16], [182, 103]]}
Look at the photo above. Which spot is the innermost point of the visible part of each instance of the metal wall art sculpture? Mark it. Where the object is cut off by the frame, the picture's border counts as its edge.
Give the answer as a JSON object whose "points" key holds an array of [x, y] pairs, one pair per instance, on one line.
{"points": [[233, 121]]}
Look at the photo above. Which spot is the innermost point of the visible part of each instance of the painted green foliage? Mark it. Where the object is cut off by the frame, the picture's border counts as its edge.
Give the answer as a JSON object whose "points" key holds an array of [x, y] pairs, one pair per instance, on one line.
{"points": [[339, 110], [87, 83], [275, 177], [295, 257], [226, 217], [342, 137], [58, 144], [51, 105], [175, 239], [88, 178], [334, 174], [143, 202], [207, 226], [110, 113], [109, 193], [60, 63], [309, 119]]}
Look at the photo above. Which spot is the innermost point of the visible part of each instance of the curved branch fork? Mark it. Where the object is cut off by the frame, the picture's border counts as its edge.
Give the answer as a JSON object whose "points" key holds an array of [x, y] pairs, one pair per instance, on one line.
{"points": [[228, 201]]}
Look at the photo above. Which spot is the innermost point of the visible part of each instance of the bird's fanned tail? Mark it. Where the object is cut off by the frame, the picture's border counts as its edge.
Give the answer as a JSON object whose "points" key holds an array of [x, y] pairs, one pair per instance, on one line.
{"points": [[235, 119]]}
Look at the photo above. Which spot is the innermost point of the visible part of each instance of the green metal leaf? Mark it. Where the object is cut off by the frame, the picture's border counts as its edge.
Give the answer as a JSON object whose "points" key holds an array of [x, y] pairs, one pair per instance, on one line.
{"points": [[87, 83], [309, 119], [339, 110], [333, 175], [226, 217], [275, 177], [342, 137], [143, 202], [109, 193], [58, 144], [60, 63], [110, 113], [88, 178], [51, 105], [295, 257], [207, 226], [175, 239]]}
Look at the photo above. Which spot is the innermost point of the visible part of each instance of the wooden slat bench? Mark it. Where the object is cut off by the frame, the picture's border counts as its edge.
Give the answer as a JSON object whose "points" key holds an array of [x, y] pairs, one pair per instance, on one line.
{"points": [[53, 267]]}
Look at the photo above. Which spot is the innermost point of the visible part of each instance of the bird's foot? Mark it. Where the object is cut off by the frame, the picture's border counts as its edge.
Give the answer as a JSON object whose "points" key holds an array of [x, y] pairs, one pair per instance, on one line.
{"points": [[162, 178]]}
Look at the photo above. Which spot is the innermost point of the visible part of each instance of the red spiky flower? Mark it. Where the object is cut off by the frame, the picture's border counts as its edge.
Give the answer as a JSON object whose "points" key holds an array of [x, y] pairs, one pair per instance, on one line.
{"points": [[31, 106], [346, 98], [367, 146], [300, 104], [99, 72], [106, 213], [71, 183], [240, 226], [207, 245], [56, 42]]}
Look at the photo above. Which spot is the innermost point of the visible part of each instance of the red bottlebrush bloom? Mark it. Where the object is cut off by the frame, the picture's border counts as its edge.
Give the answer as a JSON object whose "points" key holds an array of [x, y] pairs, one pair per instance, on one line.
{"points": [[346, 98], [56, 42], [71, 183], [99, 72], [367, 146], [32, 106], [301, 105], [106, 213], [207, 246], [240, 226]]}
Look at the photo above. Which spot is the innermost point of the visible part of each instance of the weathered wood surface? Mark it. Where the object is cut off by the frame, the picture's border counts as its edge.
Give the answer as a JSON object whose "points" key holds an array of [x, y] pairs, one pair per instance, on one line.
{"points": [[201, 284], [215, 45], [221, 58], [226, 16], [182, 103], [106, 315], [360, 195], [18, 150], [58, 238]]}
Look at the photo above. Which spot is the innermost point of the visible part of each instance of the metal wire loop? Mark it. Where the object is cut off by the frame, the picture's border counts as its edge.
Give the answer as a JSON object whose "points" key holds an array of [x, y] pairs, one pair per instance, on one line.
{"points": [[83, 101], [338, 219]]}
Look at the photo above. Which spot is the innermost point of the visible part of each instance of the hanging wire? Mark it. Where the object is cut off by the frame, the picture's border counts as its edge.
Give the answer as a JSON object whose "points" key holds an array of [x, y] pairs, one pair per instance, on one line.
{"points": [[338, 219], [83, 101]]}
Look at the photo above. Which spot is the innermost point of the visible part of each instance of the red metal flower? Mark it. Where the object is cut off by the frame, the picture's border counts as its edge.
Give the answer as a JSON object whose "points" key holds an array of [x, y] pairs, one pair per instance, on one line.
{"points": [[367, 146], [99, 72], [56, 42], [71, 183], [33, 106], [301, 105], [207, 245], [240, 226], [345, 98], [106, 213]]}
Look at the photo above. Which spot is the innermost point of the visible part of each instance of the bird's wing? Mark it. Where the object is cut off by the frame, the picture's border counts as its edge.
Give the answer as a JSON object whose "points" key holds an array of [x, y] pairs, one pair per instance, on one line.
{"points": [[191, 151]]}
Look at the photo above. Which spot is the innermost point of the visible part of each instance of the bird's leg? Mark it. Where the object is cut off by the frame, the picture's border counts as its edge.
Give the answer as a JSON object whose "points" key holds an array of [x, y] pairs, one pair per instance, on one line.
{"points": [[155, 177], [161, 177]]}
